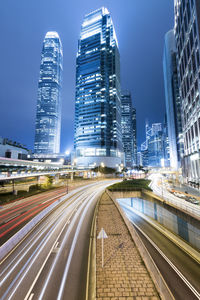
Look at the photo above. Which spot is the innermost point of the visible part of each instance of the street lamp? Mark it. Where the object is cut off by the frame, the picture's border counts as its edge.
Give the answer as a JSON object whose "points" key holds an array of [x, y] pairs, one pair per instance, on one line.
{"points": [[101, 165], [67, 184], [162, 185]]}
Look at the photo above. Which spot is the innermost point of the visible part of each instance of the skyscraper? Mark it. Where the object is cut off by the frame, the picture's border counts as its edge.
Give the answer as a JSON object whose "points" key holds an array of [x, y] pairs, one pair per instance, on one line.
{"points": [[98, 105], [128, 123], [156, 146], [152, 150], [187, 34], [48, 114], [134, 137], [172, 100]]}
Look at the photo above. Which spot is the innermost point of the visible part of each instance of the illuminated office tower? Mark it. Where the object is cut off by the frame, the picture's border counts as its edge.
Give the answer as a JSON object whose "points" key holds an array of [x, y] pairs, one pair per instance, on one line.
{"points": [[134, 137], [187, 35], [98, 105], [128, 123], [172, 101], [48, 114], [156, 146]]}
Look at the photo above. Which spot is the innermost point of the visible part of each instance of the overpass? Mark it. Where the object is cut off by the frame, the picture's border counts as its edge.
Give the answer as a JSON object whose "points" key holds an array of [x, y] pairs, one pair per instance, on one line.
{"points": [[11, 169]]}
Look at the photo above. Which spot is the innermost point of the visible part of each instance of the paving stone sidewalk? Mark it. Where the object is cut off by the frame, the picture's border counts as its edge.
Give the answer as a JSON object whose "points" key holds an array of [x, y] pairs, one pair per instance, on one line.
{"points": [[124, 275]]}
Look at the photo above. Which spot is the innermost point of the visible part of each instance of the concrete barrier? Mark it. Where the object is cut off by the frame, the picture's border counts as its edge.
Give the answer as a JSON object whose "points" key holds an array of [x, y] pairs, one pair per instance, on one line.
{"points": [[17, 237], [156, 276], [91, 271]]}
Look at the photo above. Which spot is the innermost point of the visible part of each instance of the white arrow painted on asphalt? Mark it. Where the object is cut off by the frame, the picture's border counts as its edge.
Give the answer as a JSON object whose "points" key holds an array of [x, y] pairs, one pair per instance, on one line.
{"points": [[102, 235]]}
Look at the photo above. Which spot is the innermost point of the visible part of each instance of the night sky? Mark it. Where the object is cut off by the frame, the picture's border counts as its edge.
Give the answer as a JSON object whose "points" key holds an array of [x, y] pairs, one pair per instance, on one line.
{"points": [[140, 28]]}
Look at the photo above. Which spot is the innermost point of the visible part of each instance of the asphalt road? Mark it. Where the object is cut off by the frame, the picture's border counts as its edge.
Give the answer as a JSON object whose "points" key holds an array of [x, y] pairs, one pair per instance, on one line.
{"points": [[51, 262], [14, 216], [161, 190], [188, 267]]}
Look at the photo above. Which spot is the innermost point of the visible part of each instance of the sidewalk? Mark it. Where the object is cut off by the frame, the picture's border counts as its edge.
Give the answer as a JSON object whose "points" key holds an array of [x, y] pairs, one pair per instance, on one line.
{"points": [[124, 275]]}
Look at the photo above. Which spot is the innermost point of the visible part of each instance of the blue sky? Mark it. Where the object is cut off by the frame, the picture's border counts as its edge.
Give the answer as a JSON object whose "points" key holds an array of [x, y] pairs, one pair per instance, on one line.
{"points": [[140, 27]]}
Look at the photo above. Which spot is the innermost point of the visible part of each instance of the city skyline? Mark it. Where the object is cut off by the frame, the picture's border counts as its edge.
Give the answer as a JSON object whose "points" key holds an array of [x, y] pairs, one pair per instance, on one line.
{"points": [[26, 130]]}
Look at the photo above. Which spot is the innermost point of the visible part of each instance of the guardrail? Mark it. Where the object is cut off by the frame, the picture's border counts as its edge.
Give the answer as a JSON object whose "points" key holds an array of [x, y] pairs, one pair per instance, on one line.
{"points": [[191, 209]]}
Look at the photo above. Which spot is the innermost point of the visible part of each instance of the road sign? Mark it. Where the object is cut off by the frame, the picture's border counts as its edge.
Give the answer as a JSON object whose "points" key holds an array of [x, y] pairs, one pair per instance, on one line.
{"points": [[102, 235]]}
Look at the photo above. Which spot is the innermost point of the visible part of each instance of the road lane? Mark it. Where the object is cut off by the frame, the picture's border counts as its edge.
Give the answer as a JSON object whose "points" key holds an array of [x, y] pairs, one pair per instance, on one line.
{"points": [[28, 267], [184, 263], [162, 192], [15, 217]]}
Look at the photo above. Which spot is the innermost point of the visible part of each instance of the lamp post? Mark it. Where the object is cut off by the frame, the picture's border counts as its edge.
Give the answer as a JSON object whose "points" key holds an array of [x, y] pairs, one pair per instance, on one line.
{"points": [[73, 164], [100, 166], [121, 169], [162, 185], [67, 187]]}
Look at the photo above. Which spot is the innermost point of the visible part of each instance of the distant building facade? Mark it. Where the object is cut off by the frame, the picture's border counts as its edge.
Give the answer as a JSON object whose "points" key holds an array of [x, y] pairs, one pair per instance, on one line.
{"points": [[128, 123], [135, 162], [48, 113], [187, 34], [11, 149], [172, 101], [156, 146], [153, 149], [166, 147], [139, 158], [98, 137]]}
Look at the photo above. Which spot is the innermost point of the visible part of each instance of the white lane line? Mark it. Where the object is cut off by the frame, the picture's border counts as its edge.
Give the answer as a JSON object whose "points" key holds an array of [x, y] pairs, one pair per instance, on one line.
{"points": [[57, 257], [14, 284], [38, 274], [31, 260], [56, 245], [194, 291], [64, 278], [68, 197], [39, 234], [31, 296]]}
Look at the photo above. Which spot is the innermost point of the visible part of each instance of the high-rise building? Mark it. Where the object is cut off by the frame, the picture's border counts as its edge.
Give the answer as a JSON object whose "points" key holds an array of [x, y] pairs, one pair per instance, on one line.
{"points": [[172, 101], [153, 152], [139, 158], [128, 123], [48, 114], [187, 35], [134, 137], [144, 146], [98, 136], [156, 146], [166, 148]]}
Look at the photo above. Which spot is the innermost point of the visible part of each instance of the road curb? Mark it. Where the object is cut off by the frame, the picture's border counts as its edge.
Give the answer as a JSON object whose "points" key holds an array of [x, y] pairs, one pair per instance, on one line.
{"points": [[155, 274], [91, 269], [173, 237]]}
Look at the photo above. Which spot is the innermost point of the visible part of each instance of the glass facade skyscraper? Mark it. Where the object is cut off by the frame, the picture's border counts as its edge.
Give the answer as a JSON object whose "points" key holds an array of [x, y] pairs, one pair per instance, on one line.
{"points": [[135, 162], [172, 101], [48, 113], [187, 35], [98, 104], [153, 149], [128, 124], [156, 146]]}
